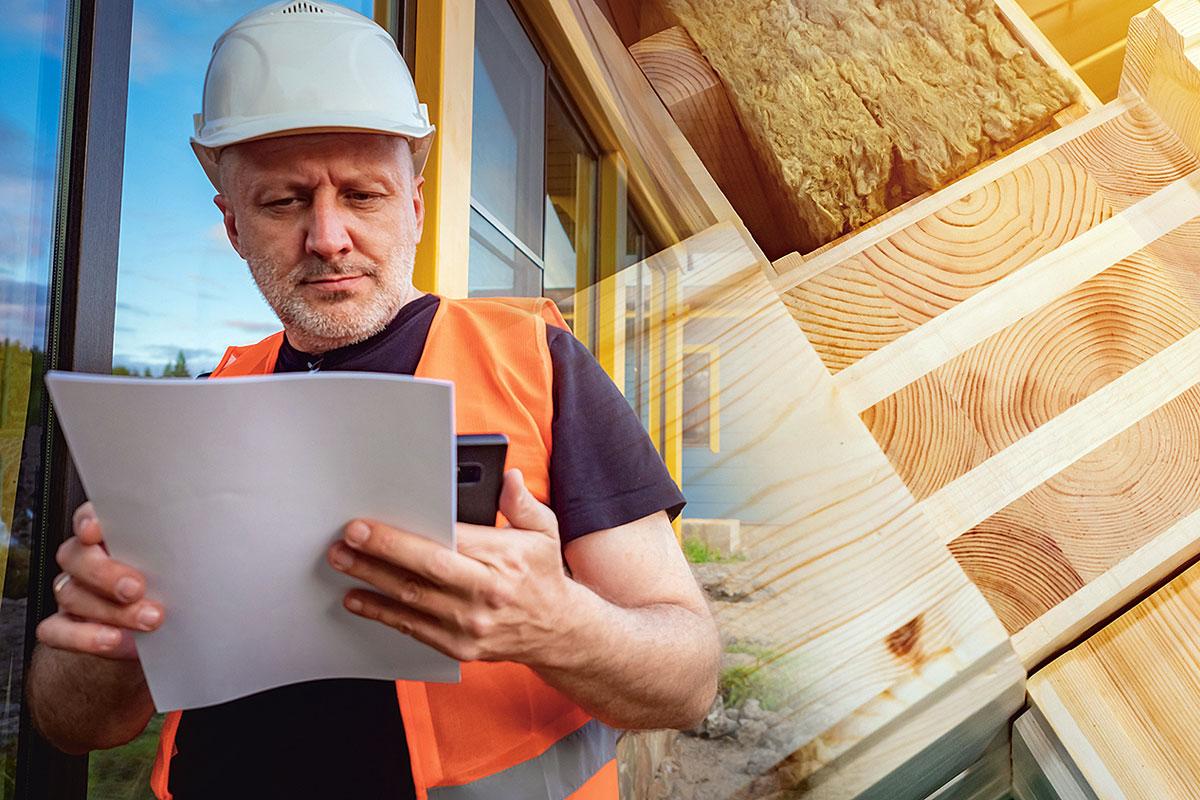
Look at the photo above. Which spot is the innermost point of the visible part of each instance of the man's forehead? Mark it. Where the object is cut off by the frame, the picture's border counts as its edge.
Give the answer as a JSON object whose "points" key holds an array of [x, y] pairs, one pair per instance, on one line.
{"points": [[341, 152]]}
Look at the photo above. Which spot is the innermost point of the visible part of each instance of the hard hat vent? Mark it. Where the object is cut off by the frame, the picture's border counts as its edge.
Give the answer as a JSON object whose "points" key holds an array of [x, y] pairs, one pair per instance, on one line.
{"points": [[302, 8]]}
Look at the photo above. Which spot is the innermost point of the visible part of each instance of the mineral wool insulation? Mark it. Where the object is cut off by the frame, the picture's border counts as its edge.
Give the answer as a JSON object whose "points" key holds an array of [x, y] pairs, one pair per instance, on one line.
{"points": [[855, 106]]}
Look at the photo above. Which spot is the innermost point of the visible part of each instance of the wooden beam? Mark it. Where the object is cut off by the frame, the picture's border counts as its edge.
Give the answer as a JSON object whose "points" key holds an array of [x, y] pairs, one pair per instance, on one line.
{"points": [[794, 270], [1122, 703], [1041, 769], [1162, 65], [698, 103], [889, 369], [668, 182], [895, 685], [445, 58]]}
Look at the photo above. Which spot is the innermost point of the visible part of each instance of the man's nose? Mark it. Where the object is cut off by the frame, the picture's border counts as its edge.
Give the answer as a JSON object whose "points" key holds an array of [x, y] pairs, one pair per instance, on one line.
{"points": [[327, 236]]}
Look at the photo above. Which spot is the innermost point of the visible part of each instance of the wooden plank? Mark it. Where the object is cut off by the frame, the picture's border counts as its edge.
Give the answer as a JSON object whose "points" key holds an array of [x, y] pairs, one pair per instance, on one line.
{"points": [[696, 98], [1122, 703], [992, 309], [1041, 769], [796, 269], [445, 63], [940, 427], [989, 778], [1162, 65], [897, 686], [1042, 548], [1051, 448]]}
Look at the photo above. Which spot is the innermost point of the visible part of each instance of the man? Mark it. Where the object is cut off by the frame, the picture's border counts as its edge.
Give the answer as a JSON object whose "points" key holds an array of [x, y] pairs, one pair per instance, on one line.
{"points": [[579, 618]]}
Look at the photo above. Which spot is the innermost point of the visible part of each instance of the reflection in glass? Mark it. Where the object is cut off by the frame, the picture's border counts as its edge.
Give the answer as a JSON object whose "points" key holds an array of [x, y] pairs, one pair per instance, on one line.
{"points": [[183, 294], [508, 120], [31, 81], [498, 267], [181, 288], [697, 425], [636, 280], [570, 252]]}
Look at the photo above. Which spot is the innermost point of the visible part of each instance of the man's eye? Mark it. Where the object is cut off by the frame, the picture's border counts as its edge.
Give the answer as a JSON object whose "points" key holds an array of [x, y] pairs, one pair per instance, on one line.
{"points": [[282, 202], [361, 197]]}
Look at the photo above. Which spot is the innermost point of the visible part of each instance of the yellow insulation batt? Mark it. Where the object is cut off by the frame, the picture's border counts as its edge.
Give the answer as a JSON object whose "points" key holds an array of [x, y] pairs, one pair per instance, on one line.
{"points": [[855, 106]]}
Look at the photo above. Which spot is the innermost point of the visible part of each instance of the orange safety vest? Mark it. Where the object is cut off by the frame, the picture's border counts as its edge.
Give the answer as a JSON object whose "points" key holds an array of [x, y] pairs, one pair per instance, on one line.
{"points": [[502, 732]]}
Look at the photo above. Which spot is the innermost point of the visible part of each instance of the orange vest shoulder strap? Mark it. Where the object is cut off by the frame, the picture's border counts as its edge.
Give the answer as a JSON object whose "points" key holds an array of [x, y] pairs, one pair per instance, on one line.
{"points": [[252, 359], [540, 306]]}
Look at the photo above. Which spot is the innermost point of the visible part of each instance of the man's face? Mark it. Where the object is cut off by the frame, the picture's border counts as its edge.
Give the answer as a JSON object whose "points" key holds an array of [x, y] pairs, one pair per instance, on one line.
{"points": [[329, 225]]}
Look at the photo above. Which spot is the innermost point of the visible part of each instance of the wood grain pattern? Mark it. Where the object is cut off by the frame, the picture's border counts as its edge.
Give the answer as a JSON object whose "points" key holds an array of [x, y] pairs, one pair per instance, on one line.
{"points": [[1122, 703], [938, 261], [795, 269], [674, 192], [950, 421], [1132, 157], [1163, 66], [892, 688], [941, 260], [1089, 517], [1041, 769]]}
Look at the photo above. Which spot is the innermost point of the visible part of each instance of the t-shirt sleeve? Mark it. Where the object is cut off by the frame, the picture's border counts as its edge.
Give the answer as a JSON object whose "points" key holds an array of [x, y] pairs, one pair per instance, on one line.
{"points": [[604, 470]]}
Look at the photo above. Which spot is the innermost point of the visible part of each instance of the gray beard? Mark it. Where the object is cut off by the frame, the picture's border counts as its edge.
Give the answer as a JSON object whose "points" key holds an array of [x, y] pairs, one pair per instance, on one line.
{"points": [[393, 279]]}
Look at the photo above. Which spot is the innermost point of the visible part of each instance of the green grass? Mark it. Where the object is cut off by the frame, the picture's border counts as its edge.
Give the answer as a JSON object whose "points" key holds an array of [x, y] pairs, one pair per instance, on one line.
{"points": [[123, 773], [758, 680], [698, 552]]}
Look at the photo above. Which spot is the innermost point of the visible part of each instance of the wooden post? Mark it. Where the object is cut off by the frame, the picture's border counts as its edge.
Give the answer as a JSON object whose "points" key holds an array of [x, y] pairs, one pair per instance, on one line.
{"points": [[1162, 65], [444, 76]]}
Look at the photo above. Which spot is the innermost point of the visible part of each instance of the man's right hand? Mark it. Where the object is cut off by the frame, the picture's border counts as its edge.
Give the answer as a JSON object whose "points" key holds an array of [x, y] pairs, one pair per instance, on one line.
{"points": [[100, 600]]}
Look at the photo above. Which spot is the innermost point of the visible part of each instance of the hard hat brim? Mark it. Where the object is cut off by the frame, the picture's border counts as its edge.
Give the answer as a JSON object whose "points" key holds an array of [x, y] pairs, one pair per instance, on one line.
{"points": [[208, 154]]}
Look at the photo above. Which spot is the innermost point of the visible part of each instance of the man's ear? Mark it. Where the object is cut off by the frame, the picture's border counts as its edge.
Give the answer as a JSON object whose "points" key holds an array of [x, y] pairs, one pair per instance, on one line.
{"points": [[222, 202], [419, 203]]}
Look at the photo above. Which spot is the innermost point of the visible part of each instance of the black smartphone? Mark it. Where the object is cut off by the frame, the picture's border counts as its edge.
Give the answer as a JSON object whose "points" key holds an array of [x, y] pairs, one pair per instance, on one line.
{"points": [[480, 476]]}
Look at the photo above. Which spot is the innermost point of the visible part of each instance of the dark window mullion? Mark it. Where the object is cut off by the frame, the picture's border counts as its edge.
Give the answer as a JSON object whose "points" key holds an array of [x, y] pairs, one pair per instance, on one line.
{"points": [[80, 320]]}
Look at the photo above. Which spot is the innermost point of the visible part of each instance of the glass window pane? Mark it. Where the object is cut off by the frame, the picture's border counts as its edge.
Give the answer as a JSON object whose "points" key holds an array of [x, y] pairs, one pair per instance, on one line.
{"points": [[508, 123], [183, 294], [498, 268], [31, 81], [696, 399], [569, 252]]}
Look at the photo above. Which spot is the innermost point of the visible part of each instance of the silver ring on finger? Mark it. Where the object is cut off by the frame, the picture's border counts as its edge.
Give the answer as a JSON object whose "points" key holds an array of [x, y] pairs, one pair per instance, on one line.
{"points": [[61, 582]]}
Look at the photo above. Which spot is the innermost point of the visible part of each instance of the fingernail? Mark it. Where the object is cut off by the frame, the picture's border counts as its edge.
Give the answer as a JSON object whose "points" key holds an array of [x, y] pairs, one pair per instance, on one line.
{"points": [[342, 559], [354, 604], [148, 617], [127, 588], [357, 532], [108, 639]]}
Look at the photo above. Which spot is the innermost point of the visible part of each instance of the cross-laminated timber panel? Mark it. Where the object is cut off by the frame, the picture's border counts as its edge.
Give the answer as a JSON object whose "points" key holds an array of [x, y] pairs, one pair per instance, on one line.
{"points": [[1024, 344], [893, 675]]}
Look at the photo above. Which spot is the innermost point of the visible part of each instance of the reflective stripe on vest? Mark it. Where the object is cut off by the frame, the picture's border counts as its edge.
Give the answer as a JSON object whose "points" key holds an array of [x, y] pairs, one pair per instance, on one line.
{"points": [[554, 775]]}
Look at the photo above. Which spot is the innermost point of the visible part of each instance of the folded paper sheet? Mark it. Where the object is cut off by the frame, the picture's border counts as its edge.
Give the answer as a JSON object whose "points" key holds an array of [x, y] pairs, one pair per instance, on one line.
{"points": [[226, 494]]}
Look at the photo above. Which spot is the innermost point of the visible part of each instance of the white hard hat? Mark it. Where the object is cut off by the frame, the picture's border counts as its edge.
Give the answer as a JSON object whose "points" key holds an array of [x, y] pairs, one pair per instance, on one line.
{"points": [[301, 66]]}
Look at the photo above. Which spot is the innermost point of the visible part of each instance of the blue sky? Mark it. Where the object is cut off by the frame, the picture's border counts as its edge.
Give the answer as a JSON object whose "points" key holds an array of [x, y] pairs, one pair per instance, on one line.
{"points": [[30, 85]]}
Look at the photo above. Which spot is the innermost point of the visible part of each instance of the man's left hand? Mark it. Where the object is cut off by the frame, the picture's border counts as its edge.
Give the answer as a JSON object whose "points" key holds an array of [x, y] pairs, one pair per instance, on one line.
{"points": [[502, 596]]}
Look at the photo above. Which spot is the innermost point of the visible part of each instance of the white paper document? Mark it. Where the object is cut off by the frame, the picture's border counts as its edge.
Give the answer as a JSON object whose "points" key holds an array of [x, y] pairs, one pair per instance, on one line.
{"points": [[228, 493]]}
